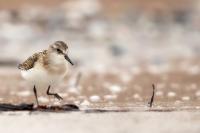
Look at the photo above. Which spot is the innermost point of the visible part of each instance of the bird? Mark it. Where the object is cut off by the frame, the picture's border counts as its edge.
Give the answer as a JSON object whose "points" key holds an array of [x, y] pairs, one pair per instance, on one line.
{"points": [[46, 68]]}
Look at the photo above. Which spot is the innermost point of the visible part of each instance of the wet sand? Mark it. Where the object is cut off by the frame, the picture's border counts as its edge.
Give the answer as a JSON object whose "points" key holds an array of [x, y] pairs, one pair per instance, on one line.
{"points": [[107, 109], [79, 122]]}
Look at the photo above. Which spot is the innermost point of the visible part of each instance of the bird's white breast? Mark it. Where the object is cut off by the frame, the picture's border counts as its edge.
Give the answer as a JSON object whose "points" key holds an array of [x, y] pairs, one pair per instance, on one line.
{"points": [[40, 77]]}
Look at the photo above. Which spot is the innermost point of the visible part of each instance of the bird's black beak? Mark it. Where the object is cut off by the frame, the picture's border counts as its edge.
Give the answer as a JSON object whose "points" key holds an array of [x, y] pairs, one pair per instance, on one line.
{"points": [[68, 59]]}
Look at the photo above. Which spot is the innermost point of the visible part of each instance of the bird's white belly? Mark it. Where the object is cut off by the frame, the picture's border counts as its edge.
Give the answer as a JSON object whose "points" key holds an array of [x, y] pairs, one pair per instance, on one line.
{"points": [[41, 78]]}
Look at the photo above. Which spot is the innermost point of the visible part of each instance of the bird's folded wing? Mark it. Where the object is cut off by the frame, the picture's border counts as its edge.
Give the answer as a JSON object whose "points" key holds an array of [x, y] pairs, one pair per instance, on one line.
{"points": [[29, 63]]}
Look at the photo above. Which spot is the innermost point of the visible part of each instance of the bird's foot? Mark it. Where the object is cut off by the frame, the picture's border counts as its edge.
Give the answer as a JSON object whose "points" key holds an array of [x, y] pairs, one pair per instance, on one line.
{"points": [[58, 96]]}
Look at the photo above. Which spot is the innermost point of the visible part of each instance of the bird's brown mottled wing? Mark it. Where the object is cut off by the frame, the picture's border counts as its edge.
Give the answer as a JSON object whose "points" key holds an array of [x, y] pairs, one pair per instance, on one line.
{"points": [[29, 63]]}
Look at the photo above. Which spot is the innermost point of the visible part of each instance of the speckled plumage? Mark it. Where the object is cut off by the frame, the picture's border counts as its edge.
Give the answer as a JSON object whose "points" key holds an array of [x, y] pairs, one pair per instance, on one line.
{"points": [[30, 62], [61, 45]]}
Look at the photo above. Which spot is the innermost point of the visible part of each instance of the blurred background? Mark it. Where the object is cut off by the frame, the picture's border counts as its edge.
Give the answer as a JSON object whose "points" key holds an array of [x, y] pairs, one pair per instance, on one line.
{"points": [[120, 48], [102, 32]]}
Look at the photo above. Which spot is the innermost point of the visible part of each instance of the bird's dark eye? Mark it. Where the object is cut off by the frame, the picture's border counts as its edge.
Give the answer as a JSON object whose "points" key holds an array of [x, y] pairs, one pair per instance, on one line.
{"points": [[59, 51]]}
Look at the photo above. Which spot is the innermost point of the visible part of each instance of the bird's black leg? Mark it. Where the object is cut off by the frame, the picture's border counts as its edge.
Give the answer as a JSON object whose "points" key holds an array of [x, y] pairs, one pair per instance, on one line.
{"points": [[54, 94], [35, 93]]}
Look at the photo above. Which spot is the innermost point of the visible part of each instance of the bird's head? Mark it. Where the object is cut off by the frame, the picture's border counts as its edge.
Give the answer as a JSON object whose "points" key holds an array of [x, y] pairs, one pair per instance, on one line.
{"points": [[59, 49]]}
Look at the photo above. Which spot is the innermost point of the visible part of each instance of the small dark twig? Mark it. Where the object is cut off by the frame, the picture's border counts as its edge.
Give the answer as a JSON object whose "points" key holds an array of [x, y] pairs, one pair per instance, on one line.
{"points": [[152, 97]]}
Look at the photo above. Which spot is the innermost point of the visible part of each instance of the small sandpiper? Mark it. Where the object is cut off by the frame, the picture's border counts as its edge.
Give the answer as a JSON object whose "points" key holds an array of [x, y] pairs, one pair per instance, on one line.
{"points": [[47, 68]]}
